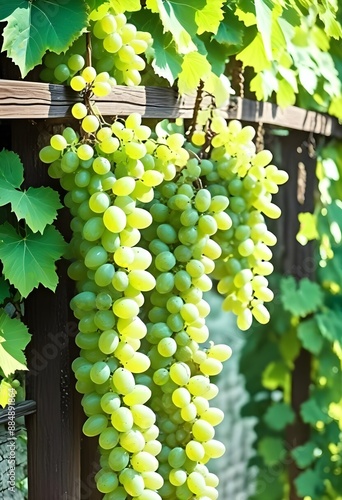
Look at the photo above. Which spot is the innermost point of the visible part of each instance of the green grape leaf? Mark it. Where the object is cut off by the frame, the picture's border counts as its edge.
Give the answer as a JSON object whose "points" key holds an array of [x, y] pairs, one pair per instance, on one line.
{"points": [[289, 346], [264, 23], [264, 84], [166, 62], [304, 455], [125, 5], [254, 55], [278, 416], [246, 12], [219, 87], [35, 27], [38, 206], [14, 337], [195, 68], [4, 290], [178, 17], [286, 96], [5, 396], [11, 168], [310, 335], [309, 484], [329, 324], [209, 17], [308, 228], [308, 79], [300, 298], [331, 25], [272, 450], [275, 375], [217, 56], [312, 413], [230, 31], [30, 261]]}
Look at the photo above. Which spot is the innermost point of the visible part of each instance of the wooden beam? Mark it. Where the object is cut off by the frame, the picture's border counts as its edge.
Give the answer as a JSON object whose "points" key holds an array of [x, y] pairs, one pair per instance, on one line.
{"points": [[33, 100], [21, 410]]}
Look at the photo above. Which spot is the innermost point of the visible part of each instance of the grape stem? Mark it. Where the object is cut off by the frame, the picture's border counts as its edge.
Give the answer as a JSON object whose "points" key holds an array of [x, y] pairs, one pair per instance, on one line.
{"points": [[88, 45], [197, 107]]}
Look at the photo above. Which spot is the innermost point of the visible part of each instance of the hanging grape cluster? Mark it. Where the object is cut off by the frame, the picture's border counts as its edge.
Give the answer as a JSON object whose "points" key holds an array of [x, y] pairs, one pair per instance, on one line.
{"points": [[157, 216]]}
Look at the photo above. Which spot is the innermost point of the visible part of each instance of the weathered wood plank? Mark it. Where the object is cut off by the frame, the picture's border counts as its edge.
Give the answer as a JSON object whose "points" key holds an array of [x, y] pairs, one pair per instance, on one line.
{"points": [[21, 410], [32, 100]]}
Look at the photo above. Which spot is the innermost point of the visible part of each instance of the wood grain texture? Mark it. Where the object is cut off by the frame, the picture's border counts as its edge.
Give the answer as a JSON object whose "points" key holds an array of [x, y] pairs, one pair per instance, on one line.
{"points": [[32, 100], [21, 410]]}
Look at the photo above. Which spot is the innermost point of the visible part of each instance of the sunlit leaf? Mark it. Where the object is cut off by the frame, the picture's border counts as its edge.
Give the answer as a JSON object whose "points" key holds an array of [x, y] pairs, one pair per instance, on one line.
{"points": [[14, 337], [30, 261]]}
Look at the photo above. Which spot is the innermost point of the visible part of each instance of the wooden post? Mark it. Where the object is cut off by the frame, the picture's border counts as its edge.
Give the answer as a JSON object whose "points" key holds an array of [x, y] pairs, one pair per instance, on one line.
{"points": [[54, 431], [298, 261]]}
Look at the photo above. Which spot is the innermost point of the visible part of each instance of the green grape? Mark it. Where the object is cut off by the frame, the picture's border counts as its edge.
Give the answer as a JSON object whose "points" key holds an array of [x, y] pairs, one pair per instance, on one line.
{"points": [[95, 257], [124, 186], [76, 62], [90, 123], [94, 425], [61, 73], [58, 142], [118, 458], [79, 111], [114, 219], [110, 402], [112, 43], [78, 83], [100, 372], [122, 419], [49, 154], [85, 152]]}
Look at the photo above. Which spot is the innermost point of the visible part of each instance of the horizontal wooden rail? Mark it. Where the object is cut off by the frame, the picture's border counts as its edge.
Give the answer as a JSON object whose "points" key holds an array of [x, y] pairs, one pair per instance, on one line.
{"points": [[21, 99], [21, 410]]}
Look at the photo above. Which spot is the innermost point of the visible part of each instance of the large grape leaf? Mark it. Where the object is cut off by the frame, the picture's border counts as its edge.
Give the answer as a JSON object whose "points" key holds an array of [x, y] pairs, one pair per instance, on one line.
{"points": [[278, 416], [300, 299], [14, 337], [33, 27], [329, 324], [166, 61], [309, 484], [272, 450], [11, 168], [30, 261], [38, 206], [312, 412], [304, 455], [209, 17], [195, 68], [254, 55], [310, 335], [179, 17]]}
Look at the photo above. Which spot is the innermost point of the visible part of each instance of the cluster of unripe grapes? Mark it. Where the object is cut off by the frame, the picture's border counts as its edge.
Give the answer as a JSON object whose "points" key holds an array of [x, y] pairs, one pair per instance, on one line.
{"points": [[152, 224], [157, 215], [117, 49]]}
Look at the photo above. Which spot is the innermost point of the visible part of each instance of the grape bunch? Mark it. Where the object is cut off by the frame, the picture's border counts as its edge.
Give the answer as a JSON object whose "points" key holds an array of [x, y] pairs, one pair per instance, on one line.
{"points": [[156, 217], [114, 175], [117, 48], [247, 180]]}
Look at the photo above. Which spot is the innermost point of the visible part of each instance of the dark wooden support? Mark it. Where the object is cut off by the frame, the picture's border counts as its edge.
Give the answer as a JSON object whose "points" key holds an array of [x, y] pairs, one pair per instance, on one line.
{"points": [[297, 196], [54, 430]]}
